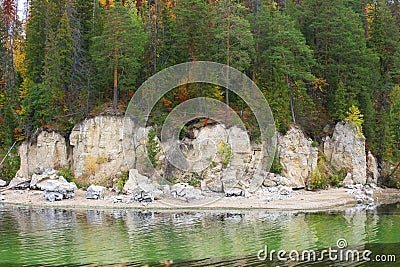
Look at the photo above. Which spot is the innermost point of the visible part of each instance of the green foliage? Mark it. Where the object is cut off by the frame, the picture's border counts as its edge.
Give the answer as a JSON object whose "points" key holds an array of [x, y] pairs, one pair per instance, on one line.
{"points": [[122, 180], [10, 166], [318, 179], [355, 117], [67, 174], [192, 179], [325, 176], [225, 153], [152, 146], [119, 48], [276, 166], [283, 62]]}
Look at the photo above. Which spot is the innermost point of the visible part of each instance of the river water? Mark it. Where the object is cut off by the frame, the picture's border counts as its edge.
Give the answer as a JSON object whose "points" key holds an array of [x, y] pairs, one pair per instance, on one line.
{"points": [[53, 236]]}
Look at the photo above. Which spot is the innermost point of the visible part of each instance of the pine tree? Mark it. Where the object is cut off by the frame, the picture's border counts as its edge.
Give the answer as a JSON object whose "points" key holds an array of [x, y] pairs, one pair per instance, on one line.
{"points": [[233, 38], [284, 67], [193, 36], [118, 51]]}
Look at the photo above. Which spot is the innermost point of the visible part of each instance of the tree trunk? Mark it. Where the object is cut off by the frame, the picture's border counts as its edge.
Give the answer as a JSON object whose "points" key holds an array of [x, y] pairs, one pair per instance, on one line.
{"points": [[228, 45], [115, 100]]}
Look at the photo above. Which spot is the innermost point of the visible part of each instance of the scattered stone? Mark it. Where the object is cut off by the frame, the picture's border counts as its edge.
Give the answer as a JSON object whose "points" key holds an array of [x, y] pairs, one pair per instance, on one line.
{"points": [[348, 181], [268, 199], [369, 193], [234, 192], [42, 175], [52, 196], [67, 189], [118, 199], [228, 179], [2, 183], [186, 192], [273, 179], [141, 198], [2, 198], [285, 191], [95, 192], [215, 186], [362, 194], [135, 180]]}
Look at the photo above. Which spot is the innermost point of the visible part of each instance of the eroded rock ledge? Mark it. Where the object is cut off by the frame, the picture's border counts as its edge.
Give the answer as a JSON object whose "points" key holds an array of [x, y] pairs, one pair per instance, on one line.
{"points": [[95, 152]]}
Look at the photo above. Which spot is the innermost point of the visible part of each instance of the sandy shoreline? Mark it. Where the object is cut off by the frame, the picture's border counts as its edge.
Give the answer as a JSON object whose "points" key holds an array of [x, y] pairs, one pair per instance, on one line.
{"points": [[332, 199]]}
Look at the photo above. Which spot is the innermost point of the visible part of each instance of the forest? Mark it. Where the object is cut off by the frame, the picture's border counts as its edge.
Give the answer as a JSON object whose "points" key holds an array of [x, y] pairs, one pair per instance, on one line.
{"points": [[316, 61]]}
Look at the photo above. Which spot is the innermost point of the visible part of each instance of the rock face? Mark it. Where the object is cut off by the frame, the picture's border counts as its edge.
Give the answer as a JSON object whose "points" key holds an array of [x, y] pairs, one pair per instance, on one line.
{"points": [[297, 156], [372, 169], [49, 151], [346, 150], [95, 142]]}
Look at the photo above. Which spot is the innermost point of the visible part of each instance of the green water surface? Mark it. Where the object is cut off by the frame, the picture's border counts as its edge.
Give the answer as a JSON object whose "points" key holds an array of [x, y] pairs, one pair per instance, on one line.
{"points": [[48, 236]]}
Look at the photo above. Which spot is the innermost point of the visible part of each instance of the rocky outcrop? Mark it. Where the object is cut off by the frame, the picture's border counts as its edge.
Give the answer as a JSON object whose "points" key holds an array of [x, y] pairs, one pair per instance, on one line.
{"points": [[47, 151], [297, 156], [372, 169], [346, 150], [225, 158], [97, 149]]}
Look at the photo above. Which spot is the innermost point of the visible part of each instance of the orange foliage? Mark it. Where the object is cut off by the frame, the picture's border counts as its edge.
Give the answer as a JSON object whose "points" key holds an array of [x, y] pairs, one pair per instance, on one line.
{"points": [[183, 94]]}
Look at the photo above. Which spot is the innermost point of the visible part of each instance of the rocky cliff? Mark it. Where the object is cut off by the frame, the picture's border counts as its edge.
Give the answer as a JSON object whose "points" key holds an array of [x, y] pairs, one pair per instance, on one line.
{"points": [[297, 156], [346, 150], [95, 150]]}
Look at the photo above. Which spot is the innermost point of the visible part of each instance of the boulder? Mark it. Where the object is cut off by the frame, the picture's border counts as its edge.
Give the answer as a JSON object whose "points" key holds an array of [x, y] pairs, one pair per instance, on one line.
{"points": [[19, 182], [2, 183], [66, 189], [273, 179], [41, 175], [138, 184], [346, 150], [95, 192], [372, 169], [186, 192], [297, 156], [135, 181]]}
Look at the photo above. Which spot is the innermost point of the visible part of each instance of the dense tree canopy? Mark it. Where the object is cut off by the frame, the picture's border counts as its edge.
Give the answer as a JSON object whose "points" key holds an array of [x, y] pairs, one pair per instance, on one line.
{"points": [[312, 59]]}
